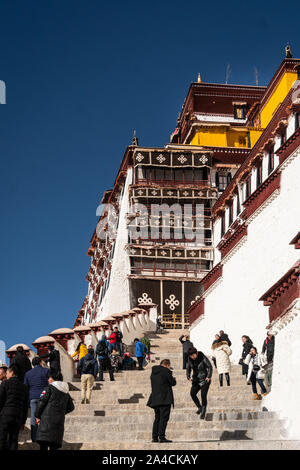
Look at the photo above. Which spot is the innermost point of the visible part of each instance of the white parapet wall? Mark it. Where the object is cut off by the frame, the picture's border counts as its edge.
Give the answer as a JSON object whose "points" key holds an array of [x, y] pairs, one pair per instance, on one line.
{"points": [[117, 297], [260, 260], [284, 396]]}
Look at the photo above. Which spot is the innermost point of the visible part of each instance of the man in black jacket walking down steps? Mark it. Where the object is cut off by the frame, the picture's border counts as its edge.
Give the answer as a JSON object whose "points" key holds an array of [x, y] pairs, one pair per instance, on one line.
{"points": [[202, 372]]}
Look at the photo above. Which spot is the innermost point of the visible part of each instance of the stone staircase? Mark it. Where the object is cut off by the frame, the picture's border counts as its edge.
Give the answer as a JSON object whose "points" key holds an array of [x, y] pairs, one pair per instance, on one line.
{"points": [[118, 418]]}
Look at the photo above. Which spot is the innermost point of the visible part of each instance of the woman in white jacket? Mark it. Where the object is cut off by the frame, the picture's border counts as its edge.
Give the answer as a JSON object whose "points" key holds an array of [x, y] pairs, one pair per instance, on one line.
{"points": [[256, 372], [221, 352]]}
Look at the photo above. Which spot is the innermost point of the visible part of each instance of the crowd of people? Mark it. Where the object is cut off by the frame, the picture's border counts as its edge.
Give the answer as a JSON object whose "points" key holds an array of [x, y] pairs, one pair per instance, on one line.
{"points": [[27, 384], [31, 384], [199, 372]]}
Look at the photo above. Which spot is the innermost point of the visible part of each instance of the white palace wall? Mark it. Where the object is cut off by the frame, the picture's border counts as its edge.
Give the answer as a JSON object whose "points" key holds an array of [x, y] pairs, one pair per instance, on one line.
{"points": [[284, 396], [263, 258], [117, 297]]}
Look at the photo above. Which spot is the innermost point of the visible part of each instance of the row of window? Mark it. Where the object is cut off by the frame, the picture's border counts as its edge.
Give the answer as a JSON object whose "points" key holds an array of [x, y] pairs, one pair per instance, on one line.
{"points": [[247, 188], [172, 174], [198, 265]]}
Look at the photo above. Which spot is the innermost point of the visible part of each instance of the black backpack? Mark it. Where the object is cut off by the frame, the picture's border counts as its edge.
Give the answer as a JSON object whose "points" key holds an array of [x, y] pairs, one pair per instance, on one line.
{"points": [[86, 366], [101, 349], [119, 336]]}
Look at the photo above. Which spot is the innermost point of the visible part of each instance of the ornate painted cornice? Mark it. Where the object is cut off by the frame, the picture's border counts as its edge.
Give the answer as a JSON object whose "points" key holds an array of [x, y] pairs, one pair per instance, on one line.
{"points": [[281, 295]]}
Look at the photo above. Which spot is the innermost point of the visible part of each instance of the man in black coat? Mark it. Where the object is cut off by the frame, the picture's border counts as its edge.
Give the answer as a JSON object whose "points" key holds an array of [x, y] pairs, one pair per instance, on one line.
{"points": [[54, 361], [269, 346], [186, 345], [22, 362], [50, 413], [13, 409], [202, 372], [161, 399]]}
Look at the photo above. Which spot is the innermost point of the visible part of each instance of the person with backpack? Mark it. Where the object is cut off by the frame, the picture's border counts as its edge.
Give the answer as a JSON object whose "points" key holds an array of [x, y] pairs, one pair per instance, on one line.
{"points": [[102, 354], [55, 402], [88, 367]]}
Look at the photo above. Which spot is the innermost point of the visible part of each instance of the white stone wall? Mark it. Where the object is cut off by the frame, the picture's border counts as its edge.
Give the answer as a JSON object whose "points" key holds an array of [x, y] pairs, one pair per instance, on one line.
{"points": [[260, 262], [284, 396], [117, 298]]}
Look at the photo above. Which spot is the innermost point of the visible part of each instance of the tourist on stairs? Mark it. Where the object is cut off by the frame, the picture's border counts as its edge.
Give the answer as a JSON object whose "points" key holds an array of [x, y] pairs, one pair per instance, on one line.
{"points": [[3, 370], [113, 339], [119, 337], [103, 358], [54, 404], [269, 346], [128, 363], [54, 360], [13, 409], [161, 399], [140, 352], [115, 360], [80, 351], [202, 372], [256, 373], [146, 341], [186, 345], [221, 353], [36, 380], [247, 344], [216, 340], [88, 367], [224, 337], [22, 362], [159, 325]]}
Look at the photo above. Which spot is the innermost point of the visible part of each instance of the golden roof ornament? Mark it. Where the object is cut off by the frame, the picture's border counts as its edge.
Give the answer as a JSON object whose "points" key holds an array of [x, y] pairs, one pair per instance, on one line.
{"points": [[288, 51], [199, 78], [135, 140]]}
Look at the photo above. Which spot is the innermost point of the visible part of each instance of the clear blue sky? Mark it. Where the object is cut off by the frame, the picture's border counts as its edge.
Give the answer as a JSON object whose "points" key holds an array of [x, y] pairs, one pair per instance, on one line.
{"points": [[80, 77]]}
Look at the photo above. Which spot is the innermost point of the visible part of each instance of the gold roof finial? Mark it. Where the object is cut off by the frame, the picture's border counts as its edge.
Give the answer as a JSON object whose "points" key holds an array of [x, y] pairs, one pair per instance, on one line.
{"points": [[199, 78], [288, 51]]}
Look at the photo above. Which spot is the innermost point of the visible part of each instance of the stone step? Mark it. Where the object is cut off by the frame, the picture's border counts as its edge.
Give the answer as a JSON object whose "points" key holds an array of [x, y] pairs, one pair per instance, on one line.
{"points": [[179, 399], [226, 444], [219, 404], [84, 423], [94, 433], [118, 386], [176, 415], [123, 411], [143, 376]]}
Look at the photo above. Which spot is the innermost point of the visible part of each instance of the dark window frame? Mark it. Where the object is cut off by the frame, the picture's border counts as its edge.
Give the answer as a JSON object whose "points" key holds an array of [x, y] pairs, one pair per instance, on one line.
{"points": [[258, 174], [271, 160], [222, 225]]}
